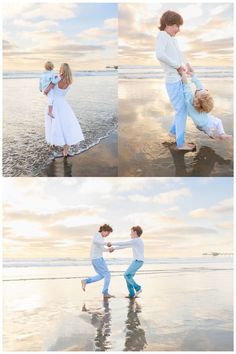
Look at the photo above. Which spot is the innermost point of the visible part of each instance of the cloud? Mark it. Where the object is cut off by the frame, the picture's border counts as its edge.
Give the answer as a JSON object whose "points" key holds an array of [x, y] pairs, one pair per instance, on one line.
{"points": [[224, 206]]}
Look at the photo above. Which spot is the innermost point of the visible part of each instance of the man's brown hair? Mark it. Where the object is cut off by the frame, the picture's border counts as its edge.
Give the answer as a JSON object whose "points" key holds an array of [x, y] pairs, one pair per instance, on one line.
{"points": [[138, 230], [105, 227], [170, 18]]}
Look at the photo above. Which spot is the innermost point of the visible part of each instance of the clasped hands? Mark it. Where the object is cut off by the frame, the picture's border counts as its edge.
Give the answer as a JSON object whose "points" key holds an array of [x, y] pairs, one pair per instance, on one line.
{"points": [[110, 248], [188, 71]]}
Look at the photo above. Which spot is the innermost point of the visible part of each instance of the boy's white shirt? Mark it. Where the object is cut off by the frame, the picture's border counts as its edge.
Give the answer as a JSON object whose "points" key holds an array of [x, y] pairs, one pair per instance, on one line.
{"points": [[169, 55], [136, 244], [98, 246]]}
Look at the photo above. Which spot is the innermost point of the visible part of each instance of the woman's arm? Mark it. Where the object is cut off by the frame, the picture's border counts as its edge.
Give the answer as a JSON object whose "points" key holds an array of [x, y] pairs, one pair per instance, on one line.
{"points": [[50, 86]]}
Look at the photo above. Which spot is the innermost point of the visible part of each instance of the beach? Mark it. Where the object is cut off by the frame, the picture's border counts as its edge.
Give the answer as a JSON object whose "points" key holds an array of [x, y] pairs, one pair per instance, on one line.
{"points": [[145, 116], [100, 160], [186, 305], [93, 98]]}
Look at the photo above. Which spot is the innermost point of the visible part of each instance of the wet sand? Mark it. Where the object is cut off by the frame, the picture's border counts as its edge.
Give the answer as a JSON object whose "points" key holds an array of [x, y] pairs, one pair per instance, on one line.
{"points": [[99, 161], [185, 310], [145, 148]]}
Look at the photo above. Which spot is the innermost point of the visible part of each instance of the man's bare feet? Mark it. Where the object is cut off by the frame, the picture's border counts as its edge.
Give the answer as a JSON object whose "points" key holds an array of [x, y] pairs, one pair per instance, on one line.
{"points": [[107, 296], [83, 283], [187, 147]]}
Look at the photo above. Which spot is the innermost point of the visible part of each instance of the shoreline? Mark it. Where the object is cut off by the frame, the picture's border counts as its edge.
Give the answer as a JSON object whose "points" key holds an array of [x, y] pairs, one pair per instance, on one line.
{"points": [[101, 160]]}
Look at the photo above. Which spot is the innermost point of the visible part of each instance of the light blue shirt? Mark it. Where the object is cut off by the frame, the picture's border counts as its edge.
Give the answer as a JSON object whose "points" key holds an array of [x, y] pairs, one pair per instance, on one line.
{"points": [[202, 119], [47, 77]]}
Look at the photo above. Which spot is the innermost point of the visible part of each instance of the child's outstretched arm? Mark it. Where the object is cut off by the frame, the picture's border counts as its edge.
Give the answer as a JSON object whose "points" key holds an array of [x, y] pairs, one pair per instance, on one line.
{"points": [[196, 81], [188, 95], [122, 244]]}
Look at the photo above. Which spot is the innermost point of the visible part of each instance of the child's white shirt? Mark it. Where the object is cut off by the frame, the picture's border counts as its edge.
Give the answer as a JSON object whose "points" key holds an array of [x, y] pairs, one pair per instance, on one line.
{"points": [[136, 244]]}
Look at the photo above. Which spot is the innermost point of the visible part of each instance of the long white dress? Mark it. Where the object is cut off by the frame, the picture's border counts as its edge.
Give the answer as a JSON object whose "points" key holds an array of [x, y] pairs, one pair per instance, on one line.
{"points": [[64, 128]]}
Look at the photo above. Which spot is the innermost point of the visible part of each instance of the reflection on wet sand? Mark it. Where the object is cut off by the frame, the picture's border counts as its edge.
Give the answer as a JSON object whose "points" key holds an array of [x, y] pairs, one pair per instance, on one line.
{"points": [[145, 116], [101, 320], [100, 317], [203, 163], [135, 335]]}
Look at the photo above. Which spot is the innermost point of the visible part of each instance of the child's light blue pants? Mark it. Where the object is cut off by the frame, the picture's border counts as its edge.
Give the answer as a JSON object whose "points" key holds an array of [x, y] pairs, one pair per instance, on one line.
{"points": [[100, 267], [176, 95], [129, 274]]}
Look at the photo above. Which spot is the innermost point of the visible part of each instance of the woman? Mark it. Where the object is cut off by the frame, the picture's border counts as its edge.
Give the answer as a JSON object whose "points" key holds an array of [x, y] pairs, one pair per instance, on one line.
{"points": [[64, 129]]}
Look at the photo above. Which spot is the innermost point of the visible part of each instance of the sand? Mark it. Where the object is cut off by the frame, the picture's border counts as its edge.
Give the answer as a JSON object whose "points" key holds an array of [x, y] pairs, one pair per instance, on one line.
{"points": [[144, 147], [99, 161], [186, 310]]}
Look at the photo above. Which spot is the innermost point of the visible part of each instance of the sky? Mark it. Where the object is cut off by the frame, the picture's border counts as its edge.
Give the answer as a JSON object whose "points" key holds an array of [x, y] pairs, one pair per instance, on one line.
{"points": [[85, 35], [206, 37], [181, 217]]}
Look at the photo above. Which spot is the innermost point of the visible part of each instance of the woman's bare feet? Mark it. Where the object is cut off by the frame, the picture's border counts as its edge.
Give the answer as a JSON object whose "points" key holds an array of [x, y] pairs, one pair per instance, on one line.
{"points": [[65, 151], [187, 147]]}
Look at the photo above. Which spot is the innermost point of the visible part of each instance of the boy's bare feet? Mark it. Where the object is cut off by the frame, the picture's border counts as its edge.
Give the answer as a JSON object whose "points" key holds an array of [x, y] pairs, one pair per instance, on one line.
{"points": [[83, 283], [50, 115], [107, 296], [138, 292]]}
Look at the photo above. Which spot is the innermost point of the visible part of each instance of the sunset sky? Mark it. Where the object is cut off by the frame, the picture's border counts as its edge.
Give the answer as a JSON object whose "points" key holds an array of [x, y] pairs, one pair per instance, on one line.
{"points": [[206, 37], [85, 35], [58, 217]]}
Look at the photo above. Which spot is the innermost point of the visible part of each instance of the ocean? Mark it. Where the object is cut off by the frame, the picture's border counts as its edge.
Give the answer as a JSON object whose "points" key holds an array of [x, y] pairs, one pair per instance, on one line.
{"points": [[92, 96]]}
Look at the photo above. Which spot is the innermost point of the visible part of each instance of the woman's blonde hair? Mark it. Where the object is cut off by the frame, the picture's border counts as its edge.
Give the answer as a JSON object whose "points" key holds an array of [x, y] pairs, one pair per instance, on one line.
{"points": [[67, 74], [203, 103], [49, 65]]}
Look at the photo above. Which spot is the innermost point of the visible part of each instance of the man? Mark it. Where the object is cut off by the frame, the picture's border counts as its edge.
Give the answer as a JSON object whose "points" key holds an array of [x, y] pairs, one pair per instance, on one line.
{"points": [[137, 245], [172, 62]]}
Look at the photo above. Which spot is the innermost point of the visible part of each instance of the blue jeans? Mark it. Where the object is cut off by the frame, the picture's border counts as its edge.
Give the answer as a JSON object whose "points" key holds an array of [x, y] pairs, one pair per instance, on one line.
{"points": [[129, 274], [176, 95], [102, 271]]}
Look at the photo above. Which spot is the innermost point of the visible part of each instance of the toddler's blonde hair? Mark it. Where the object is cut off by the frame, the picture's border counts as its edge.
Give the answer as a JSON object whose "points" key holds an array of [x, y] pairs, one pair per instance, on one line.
{"points": [[203, 103], [67, 74], [49, 65]]}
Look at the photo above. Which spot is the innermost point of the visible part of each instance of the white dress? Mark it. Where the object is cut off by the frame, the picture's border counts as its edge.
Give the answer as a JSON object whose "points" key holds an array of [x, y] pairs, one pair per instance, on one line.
{"points": [[64, 128]]}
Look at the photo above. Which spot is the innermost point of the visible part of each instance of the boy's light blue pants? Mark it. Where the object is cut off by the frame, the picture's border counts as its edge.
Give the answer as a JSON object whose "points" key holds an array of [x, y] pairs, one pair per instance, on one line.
{"points": [[176, 95], [129, 274], [100, 267]]}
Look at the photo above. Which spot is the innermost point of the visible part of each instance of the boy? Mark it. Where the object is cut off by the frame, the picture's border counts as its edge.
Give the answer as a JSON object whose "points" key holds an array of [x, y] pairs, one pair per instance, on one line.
{"points": [[199, 105], [137, 245], [172, 62], [98, 262], [47, 79]]}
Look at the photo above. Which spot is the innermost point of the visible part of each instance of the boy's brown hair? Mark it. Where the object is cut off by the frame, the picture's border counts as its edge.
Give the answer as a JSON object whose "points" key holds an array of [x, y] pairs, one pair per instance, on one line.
{"points": [[138, 230], [203, 103], [105, 227], [170, 18]]}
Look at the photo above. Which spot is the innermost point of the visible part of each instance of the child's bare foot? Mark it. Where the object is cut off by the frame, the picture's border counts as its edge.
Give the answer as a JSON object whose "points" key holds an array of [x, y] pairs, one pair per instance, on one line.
{"points": [[51, 115], [83, 283], [225, 137]]}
